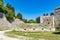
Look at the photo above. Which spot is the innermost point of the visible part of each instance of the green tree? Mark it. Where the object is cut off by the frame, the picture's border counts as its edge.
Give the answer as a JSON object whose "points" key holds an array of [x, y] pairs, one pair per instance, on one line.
{"points": [[10, 12], [24, 20], [51, 14], [19, 16], [1, 10], [11, 9], [44, 14], [31, 21], [1, 2], [8, 6], [38, 19], [1, 6]]}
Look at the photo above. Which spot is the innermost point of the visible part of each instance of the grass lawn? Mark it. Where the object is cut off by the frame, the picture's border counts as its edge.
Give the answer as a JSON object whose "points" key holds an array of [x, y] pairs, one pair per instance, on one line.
{"points": [[1, 29], [36, 35]]}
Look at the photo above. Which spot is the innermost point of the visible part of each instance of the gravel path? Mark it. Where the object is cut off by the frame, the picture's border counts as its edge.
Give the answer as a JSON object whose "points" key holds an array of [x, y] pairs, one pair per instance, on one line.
{"points": [[3, 37]]}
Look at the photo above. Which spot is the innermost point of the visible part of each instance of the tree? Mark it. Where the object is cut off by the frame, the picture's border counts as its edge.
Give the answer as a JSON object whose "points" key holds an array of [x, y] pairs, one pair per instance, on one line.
{"points": [[8, 6], [31, 21], [1, 6], [46, 14], [38, 19], [1, 2], [19, 16], [24, 20], [1, 10], [43, 14], [10, 12], [51, 14]]}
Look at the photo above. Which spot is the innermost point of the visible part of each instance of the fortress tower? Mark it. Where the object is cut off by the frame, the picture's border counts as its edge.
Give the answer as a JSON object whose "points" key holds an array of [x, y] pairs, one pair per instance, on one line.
{"points": [[57, 17]]}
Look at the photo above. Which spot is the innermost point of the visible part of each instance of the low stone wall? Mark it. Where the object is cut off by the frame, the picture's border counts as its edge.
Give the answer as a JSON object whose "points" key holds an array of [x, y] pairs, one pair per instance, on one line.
{"points": [[34, 27]]}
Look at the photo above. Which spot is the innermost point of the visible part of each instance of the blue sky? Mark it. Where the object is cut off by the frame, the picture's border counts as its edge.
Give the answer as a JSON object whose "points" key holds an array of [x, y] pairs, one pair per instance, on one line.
{"points": [[31, 9]]}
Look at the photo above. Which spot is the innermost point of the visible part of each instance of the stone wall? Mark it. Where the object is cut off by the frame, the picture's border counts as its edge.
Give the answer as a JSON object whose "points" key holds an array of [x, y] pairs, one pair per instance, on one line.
{"points": [[49, 20], [19, 25], [57, 17], [3, 22], [34, 27]]}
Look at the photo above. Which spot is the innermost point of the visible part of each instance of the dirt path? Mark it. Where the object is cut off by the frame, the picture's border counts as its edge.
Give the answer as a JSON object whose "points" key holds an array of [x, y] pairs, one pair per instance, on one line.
{"points": [[3, 37]]}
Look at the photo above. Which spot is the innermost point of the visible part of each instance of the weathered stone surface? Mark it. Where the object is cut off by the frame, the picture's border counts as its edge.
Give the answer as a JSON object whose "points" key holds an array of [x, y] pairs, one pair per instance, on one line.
{"points": [[17, 24], [57, 17], [3, 21]]}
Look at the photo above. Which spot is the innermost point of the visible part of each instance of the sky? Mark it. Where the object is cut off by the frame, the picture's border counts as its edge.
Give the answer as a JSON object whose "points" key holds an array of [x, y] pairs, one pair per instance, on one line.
{"points": [[31, 9]]}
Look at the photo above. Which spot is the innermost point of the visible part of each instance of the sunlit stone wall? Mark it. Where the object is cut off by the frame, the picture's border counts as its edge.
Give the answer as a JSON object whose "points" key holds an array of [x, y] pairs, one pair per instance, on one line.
{"points": [[34, 27], [19, 25], [3, 22], [57, 17]]}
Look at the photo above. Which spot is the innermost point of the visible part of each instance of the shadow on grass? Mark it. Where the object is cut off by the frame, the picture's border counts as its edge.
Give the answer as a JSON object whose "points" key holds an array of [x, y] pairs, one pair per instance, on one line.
{"points": [[56, 32]]}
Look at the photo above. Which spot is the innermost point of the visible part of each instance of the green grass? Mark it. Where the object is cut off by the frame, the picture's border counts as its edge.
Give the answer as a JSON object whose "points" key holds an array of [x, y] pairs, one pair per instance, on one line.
{"points": [[35, 35], [1, 29]]}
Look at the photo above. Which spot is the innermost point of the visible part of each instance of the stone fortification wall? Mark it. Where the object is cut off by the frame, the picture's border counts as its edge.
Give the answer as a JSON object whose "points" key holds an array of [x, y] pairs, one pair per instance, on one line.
{"points": [[34, 27], [21, 26], [3, 22]]}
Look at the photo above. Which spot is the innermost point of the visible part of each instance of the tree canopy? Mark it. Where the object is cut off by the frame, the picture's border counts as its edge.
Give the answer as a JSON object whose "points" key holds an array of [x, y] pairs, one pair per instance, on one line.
{"points": [[8, 10], [31, 21], [19, 16], [51, 14], [1, 2], [45, 14]]}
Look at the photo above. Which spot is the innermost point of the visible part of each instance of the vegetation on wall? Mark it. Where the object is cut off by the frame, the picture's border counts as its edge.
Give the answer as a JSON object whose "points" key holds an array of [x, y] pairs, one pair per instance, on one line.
{"points": [[9, 11]]}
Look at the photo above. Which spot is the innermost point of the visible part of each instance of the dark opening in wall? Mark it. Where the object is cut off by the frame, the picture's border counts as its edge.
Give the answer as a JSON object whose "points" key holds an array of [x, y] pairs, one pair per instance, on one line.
{"points": [[24, 29], [33, 28], [42, 28], [50, 28], [48, 22], [47, 19]]}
